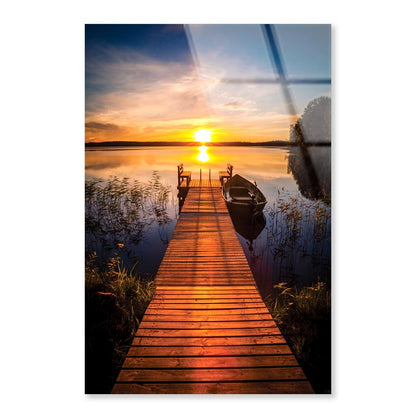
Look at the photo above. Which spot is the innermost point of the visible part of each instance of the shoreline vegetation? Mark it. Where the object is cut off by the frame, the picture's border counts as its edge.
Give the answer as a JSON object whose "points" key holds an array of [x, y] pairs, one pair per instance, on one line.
{"points": [[304, 317], [115, 302], [274, 143]]}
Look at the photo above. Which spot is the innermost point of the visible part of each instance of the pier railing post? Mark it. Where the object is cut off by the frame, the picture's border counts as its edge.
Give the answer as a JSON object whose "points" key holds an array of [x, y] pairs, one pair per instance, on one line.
{"points": [[200, 177]]}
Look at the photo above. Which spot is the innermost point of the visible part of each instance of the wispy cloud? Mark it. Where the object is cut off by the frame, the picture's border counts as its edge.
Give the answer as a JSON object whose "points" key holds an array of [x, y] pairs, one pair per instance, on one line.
{"points": [[92, 125]]}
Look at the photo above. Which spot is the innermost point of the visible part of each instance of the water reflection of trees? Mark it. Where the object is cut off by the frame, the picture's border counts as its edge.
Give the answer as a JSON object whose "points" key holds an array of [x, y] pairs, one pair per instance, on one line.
{"points": [[299, 232], [119, 211], [311, 165], [297, 166]]}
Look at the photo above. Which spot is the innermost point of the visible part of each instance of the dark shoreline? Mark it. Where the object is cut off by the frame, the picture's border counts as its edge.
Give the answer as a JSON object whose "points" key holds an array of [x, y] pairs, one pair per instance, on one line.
{"points": [[277, 143]]}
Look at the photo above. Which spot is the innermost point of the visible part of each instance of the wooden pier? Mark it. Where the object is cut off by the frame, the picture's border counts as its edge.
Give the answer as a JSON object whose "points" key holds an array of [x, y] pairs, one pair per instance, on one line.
{"points": [[207, 330]]}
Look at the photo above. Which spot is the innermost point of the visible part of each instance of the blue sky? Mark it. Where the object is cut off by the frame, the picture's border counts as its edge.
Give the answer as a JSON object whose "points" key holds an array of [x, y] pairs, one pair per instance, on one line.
{"points": [[164, 42], [163, 82]]}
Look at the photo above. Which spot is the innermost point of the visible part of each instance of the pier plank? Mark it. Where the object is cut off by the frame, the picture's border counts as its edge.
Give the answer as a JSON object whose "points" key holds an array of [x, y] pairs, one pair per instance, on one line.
{"points": [[269, 323], [214, 374], [208, 351], [208, 341], [253, 361], [259, 387], [216, 332]]}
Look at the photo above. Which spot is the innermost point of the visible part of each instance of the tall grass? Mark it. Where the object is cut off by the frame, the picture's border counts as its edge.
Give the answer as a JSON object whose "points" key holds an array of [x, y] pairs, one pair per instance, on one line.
{"points": [[304, 316], [115, 302], [299, 228], [119, 211]]}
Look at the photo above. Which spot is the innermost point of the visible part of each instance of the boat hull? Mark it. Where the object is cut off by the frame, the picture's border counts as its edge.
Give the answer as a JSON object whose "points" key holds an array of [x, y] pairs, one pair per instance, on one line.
{"points": [[239, 193]]}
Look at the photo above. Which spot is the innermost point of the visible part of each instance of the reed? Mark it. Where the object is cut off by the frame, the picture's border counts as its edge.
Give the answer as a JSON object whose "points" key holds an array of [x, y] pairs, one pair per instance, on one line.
{"points": [[115, 301], [299, 228], [304, 317], [120, 211]]}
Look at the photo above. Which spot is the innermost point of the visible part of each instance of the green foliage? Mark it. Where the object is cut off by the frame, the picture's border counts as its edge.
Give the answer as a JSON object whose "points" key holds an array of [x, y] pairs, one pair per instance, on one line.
{"points": [[304, 317], [314, 126], [115, 302]]}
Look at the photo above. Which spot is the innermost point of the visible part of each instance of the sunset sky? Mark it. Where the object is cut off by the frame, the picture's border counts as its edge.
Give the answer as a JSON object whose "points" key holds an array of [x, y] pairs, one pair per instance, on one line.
{"points": [[164, 82]]}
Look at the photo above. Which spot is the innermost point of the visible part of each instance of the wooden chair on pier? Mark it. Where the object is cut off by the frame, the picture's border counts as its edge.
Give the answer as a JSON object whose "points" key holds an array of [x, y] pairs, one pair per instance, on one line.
{"points": [[182, 174], [227, 174]]}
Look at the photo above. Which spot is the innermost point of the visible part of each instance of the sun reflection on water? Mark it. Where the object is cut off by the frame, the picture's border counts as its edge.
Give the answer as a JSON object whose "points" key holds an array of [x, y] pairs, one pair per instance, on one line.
{"points": [[203, 155]]}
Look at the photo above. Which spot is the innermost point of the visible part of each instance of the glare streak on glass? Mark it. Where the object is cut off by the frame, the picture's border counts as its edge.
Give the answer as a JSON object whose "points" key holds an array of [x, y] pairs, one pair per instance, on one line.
{"points": [[273, 44], [276, 81]]}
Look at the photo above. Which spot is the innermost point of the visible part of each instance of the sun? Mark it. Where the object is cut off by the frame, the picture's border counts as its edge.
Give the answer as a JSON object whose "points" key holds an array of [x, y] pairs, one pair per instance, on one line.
{"points": [[203, 135]]}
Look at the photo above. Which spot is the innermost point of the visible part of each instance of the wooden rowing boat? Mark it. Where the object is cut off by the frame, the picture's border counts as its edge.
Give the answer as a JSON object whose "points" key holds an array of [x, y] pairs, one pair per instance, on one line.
{"points": [[238, 192]]}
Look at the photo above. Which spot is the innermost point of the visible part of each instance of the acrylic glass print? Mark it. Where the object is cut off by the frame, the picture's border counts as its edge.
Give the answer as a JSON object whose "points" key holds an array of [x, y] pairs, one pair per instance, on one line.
{"points": [[208, 209]]}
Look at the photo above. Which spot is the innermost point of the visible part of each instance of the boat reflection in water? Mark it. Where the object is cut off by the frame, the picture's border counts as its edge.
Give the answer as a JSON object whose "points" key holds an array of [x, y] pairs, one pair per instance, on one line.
{"points": [[248, 224]]}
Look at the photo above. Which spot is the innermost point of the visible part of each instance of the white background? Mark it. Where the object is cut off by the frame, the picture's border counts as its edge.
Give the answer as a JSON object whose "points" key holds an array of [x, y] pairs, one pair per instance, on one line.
{"points": [[42, 173]]}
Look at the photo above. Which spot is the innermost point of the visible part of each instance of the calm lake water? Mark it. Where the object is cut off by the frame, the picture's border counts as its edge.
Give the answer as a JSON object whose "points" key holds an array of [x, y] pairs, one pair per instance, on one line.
{"points": [[290, 243]]}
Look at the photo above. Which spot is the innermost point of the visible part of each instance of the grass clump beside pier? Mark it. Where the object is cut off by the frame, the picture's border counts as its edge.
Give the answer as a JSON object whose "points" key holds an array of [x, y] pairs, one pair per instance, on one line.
{"points": [[115, 302], [304, 317]]}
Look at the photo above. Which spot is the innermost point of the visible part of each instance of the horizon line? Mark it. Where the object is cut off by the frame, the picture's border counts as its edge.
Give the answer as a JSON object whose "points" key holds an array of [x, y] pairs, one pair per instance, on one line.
{"points": [[196, 143]]}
